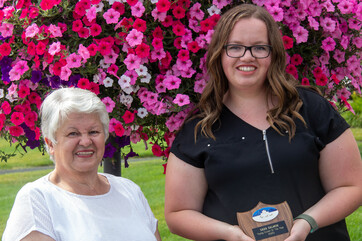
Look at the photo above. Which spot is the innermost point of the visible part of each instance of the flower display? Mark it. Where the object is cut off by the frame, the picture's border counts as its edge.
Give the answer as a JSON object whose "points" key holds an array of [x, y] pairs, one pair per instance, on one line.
{"points": [[146, 59]]}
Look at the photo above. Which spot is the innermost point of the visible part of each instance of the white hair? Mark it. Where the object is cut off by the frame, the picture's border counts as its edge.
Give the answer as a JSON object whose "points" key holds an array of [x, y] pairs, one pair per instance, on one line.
{"points": [[64, 101]]}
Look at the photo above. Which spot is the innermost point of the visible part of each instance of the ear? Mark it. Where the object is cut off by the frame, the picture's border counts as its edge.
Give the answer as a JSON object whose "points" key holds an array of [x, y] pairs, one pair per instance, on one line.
{"points": [[50, 145]]}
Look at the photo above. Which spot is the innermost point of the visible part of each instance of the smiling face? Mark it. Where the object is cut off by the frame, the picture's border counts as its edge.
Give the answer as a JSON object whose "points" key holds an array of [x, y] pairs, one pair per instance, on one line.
{"points": [[247, 72], [80, 144]]}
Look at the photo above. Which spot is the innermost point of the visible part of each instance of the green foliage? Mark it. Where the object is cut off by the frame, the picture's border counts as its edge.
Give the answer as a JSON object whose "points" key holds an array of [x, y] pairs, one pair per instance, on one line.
{"points": [[355, 120]]}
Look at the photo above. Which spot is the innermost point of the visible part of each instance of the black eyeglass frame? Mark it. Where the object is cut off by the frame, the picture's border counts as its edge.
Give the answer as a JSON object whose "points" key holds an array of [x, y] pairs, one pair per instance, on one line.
{"points": [[248, 48]]}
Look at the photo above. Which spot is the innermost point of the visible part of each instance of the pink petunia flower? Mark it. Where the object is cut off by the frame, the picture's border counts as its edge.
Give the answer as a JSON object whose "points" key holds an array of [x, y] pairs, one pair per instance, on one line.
{"points": [[134, 38], [328, 24], [178, 29], [313, 23], [277, 13], [83, 52], [109, 103], [157, 43], [158, 54], [345, 6], [16, 131], [74, 60], [300, 34], [181, 100], [77, 25], [199, 86], [6, 30], [172, 82], [296, 59], [113, 69], [138, 9], [132, 61], [5, 49], [111, 16], [305, 81], [91, 13], [23, 92], [84, 83], [110, 58], [128, 117], [65, 73], [328, 44], [17, 118], [55, 31], [196, 12], [6, 108], [338, 55], [158, 16], [95, 29], [54, 48], [31, 31], [119, 129], [21, 67], [163, 5], [143, 50]]}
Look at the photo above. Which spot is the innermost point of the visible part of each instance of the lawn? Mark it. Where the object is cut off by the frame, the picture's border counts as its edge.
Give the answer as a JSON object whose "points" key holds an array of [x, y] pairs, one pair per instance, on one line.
{"points": [[147, 174]]}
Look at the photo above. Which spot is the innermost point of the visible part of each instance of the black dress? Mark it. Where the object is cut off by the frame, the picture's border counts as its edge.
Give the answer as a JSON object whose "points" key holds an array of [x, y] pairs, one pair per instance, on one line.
{"points": [[245, 165]]}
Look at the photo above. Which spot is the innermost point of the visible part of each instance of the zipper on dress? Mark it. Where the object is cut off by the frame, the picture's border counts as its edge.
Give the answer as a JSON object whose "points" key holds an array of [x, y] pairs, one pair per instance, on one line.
{"points": [[267, 151]]}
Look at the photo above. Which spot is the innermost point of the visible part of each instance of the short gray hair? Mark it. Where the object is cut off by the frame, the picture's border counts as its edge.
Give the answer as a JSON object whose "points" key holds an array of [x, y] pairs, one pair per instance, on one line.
{"points": [[60, 103]]}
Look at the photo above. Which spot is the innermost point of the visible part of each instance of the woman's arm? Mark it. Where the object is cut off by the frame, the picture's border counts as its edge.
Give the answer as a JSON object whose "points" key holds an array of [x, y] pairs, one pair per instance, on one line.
{"points": [[37, 236], [340, 169], [185, 192], [157, 235]]}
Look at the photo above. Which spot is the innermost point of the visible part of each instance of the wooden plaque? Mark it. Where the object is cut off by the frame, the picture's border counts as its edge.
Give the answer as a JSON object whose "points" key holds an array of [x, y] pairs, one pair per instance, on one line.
{"points": [[267, 222]]}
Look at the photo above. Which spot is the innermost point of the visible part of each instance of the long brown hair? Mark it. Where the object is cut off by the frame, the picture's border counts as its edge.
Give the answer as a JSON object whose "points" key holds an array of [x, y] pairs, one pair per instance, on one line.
{"points": [[278, 82]]}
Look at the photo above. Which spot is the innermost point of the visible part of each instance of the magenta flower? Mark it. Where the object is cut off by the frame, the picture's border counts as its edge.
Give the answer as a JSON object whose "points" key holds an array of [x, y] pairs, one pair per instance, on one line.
{"points": [[181, 100], [65, 73], [138, 9], [132, 62], [111, 16], [54, 48], [163, 5], [109, 103], [31, 31], [328, 44], [16, 131], [328, 24], [17, 118], [6, 30], [55, 31], [134, 38], [74, 61], [300, 34], [172, 82]]}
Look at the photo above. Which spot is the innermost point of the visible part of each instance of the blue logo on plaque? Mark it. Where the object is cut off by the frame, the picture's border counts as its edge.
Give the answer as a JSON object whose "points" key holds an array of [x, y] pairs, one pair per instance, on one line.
{"points": [[265, 214]]}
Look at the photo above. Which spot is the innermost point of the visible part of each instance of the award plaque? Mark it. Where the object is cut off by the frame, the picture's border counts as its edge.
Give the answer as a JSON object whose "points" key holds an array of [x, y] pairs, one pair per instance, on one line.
{"points": [[267, 222]]}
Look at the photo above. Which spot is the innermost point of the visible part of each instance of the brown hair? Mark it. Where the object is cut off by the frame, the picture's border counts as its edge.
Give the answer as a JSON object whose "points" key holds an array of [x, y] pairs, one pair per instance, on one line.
{"points": [[278, 82]]}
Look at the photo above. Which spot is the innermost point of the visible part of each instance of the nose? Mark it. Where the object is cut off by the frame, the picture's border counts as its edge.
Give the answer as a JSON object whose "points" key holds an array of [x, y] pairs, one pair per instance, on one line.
{"points": [[85, 140], [247, 54]]}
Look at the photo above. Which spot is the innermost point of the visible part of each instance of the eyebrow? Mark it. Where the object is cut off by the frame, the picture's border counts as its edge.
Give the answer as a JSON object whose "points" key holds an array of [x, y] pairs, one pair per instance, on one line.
{"points": [[255, 43]]}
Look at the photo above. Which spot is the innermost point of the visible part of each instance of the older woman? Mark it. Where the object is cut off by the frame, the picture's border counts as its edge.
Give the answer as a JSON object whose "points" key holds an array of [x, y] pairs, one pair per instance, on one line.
{"points": [[75, 202]]}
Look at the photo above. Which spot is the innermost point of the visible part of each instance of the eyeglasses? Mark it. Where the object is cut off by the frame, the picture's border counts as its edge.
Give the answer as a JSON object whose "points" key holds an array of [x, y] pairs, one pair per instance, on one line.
{"points": [[238, 50]]}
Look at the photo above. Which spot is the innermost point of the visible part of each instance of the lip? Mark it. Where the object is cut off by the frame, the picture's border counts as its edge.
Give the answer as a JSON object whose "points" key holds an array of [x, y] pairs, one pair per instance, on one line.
{"points": [[84, 153], [246, 69]]}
